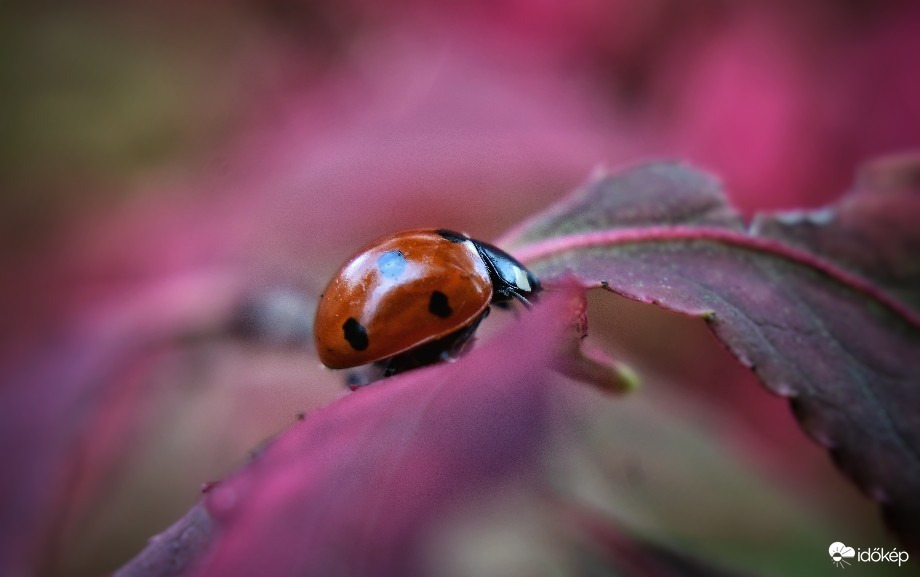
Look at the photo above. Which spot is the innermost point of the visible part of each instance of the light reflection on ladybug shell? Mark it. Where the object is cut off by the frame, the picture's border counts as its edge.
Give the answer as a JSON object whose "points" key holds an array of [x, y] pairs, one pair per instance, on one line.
{"points": [[397, 293]]}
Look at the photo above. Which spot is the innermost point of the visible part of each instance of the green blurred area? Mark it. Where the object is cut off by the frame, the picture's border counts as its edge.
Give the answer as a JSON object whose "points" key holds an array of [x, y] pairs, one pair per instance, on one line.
{"points": [[96, 98]]}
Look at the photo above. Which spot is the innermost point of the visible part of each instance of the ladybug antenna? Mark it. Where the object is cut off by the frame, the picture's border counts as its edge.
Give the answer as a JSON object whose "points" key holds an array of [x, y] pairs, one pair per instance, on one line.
{"points": [[522, 299]]}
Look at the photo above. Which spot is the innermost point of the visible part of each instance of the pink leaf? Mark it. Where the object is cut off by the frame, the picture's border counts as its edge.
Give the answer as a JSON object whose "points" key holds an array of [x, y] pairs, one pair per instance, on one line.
{"points": [[822, 305], [362, 486]]}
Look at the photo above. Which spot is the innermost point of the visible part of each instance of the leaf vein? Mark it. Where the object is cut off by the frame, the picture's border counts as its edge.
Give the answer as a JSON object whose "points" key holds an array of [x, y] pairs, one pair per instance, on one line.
{"points": [[548, 248]]}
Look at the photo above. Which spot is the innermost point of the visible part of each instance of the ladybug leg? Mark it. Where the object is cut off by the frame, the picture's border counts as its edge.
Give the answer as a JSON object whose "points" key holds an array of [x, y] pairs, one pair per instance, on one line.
{"points": [[506, 305], [447, 348], [390, 366], [365, 375], [462, 340]]}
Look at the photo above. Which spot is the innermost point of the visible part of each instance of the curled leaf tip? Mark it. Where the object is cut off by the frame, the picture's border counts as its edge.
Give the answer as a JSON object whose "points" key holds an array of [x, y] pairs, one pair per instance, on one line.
{"points": [[582, 361], [592, 365]]}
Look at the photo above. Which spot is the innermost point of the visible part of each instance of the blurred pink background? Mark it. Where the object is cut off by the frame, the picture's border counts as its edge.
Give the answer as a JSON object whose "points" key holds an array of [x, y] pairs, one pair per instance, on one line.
{"points": [[168, 169]]}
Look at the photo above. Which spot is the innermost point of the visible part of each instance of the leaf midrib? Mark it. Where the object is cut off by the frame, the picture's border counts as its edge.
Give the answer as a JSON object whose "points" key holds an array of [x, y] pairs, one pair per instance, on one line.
{"points": [[548, 248]]}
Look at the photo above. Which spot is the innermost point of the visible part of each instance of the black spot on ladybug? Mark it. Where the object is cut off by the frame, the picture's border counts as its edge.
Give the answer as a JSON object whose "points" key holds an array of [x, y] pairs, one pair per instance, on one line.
{"points": [[451, 235], [438, 305], [355, 334], [392, 264]]}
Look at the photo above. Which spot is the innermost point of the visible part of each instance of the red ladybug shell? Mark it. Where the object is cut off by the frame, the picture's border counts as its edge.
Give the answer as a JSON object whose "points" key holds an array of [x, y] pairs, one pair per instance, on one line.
{"points": [[397, 293]]}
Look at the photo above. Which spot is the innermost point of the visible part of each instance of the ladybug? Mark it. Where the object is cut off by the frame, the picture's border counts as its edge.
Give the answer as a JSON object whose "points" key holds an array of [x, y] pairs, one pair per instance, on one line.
{"points": [[414, 298]]}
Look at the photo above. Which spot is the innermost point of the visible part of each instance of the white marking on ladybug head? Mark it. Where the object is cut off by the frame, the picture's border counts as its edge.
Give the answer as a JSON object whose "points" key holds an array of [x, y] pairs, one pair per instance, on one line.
{"points": [[521, 280]]}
